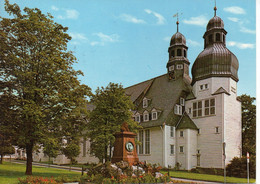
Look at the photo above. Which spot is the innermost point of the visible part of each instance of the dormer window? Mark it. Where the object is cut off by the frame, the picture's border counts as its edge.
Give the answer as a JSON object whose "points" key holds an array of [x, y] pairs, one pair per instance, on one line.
{"points": [[182, 101], [137, 117], [154, 115], [145, 102], [171, 68], [146, 116], [178, 109], [179, 66]]}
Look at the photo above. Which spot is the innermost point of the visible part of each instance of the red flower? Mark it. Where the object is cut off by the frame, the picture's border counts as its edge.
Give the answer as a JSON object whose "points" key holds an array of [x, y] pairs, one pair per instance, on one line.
{"points": [[112, 177]]}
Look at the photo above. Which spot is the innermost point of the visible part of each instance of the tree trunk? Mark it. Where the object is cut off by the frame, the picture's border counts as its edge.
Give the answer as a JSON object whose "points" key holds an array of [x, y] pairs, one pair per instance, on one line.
{"points": [[110, 150], [1, 161], [29, 150], [105, 151]]}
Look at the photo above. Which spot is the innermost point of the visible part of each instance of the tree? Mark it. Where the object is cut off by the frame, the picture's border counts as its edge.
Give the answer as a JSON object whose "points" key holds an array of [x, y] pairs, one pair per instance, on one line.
{"points": [[248, 124], [51, 148], [112, 108], [72, 150], [6, 147], [36, 72]]}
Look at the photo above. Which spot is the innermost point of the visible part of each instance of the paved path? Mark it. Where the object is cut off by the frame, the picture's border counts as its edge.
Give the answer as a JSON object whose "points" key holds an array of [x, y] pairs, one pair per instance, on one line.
{"points": [[78, 169], [194, 181]]}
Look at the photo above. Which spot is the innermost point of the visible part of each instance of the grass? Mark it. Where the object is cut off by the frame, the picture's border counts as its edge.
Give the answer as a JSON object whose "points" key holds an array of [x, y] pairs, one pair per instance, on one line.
{"points": [[207, 177], [10, 172]]}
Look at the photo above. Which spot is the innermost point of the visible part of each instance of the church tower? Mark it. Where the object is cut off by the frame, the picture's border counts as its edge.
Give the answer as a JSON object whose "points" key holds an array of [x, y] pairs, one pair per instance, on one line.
{"points": [[216, 109], [178, 63]]}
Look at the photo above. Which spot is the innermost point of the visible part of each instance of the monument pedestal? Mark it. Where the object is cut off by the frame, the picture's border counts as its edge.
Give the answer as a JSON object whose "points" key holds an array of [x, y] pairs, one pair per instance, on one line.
{"points": [[125, 148]]}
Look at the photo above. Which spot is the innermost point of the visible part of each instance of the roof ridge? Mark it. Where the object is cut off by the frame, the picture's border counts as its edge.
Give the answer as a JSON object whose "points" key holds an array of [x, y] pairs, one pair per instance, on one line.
{"points": [[146, 81]]}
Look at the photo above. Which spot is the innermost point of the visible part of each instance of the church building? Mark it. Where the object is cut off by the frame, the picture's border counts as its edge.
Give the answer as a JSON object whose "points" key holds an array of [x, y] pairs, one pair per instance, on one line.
{"points": [[191, 122], [187, 122]]}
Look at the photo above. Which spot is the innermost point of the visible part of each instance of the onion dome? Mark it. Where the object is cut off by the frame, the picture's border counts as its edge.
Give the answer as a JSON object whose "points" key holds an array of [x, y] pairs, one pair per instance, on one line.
{"points": [[178, 39], [178, 63], [215, 60], [215, 23]]}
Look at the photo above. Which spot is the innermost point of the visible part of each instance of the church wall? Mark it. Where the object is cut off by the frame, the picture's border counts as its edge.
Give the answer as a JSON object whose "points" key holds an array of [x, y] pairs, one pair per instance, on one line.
{"points": [[86, 158], [214, 83], [61, 159], [181, 158], [192, 149], [170, 158], [232, 124], [209, 142], [156, 147]]}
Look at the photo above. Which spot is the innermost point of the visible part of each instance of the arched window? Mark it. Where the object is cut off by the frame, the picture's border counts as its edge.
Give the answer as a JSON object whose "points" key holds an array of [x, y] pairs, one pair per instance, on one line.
{"points": [[173, 54], [178, 52], [217, 37], [185, 55], [210, 39]]}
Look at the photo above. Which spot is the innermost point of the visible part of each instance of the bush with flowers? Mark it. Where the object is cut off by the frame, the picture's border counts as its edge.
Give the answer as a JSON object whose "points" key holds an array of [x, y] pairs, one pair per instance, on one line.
{"points": [[37, 179], [121, 172]]}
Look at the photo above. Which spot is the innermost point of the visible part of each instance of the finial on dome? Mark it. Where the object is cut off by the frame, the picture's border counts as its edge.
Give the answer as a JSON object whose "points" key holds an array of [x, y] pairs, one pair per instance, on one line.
{"points": [[177, 22], [215, 9]]}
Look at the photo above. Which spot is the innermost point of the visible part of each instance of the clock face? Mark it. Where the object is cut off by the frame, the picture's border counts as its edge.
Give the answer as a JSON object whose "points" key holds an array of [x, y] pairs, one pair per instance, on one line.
{"points": [[129, 146]]}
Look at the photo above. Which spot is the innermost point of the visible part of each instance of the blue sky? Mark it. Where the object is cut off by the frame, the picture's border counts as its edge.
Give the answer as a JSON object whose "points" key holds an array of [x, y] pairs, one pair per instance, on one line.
{"points": [[126, 41]]}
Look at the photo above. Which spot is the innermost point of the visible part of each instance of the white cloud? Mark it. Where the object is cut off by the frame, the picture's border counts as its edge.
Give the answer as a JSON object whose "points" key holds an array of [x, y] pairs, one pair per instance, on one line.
{"points": [[78, 36], [54, 8], [105, 39], [242, 24], [240, 45], [235, 10], [192, 43], [167, 38], [199, 21], [246, 30], [160, 18], [233, 19], [130, 18], [69, 14]]}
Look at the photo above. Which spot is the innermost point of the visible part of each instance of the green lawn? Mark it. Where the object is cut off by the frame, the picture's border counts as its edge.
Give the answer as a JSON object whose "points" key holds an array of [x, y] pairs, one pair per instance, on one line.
{"points": [[10, 172], [207, 177]]}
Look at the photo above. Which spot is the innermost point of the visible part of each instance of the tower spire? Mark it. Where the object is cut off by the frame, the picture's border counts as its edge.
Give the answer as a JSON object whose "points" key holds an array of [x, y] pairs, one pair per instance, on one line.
{"points": [[177, 22], [215, 9]]}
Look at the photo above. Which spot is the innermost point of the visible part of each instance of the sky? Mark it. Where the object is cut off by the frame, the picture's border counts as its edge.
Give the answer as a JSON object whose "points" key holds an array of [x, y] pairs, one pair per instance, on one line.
{"points": [[126, 41]]}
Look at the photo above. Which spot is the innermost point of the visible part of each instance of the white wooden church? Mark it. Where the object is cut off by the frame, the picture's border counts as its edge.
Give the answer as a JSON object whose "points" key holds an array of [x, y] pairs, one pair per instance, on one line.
{"points": [[187, 120]]}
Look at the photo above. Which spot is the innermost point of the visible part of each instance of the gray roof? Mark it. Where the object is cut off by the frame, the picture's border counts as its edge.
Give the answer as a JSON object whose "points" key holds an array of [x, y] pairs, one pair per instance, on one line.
{"points": [[186, 123], [163, 94]]}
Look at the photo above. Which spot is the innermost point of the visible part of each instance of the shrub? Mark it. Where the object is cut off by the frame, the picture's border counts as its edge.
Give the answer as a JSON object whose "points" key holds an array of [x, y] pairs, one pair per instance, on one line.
{"points": [[238, 167], [67, 179], [37, 179]]}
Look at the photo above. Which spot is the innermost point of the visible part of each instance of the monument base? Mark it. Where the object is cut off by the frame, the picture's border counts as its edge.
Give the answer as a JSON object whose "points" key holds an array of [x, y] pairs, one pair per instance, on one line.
{"points": [[125, 148]]}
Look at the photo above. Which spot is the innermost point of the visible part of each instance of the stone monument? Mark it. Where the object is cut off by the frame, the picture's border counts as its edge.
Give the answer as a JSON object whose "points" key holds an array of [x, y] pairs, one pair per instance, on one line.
{"points": [[124, 147]]}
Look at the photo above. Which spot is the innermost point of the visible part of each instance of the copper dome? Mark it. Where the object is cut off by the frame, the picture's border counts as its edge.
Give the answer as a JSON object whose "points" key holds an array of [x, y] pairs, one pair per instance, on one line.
{"points": [[215, 23], [178, 39], [215, 60]]}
